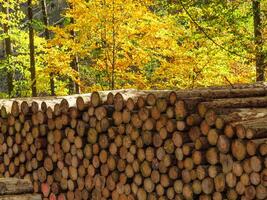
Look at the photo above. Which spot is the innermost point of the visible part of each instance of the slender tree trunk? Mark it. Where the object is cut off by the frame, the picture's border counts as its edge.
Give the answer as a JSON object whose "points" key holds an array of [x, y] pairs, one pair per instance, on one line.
{"points": [[113, 47], [31, 46], [74, 87], [47, 37], [75, 65], [8, 51], [258, 41], [105, 46]]}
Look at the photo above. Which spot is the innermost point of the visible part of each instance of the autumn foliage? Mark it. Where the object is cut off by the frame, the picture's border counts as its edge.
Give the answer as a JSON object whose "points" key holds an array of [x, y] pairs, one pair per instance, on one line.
{"points": [[110, 44]]}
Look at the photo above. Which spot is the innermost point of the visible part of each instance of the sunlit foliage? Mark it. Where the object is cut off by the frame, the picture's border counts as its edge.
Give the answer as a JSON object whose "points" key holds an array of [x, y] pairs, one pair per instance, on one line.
{"points": [[158, 44]]}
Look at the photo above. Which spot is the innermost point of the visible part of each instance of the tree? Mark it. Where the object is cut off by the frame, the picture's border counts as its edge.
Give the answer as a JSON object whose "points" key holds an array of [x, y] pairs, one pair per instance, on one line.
{"points": [[258, 38], [221, 38], [8, 48], [116, 41], [74, 86], [32, 48], [47, 37]]}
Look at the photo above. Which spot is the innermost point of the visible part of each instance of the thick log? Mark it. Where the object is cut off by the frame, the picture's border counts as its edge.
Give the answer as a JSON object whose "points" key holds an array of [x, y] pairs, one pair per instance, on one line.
{"points": [[249, 102], [240, 114], [21, 197], [15, 186]]}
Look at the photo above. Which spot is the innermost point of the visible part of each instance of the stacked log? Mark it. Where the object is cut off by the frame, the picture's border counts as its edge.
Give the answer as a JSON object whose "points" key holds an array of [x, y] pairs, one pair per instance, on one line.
{"points": [[152, 146], [17, 189]]}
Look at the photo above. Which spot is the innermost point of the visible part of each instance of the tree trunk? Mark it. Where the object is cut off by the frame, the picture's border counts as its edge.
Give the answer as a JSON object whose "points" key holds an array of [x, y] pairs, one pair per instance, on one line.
{"points": [[47, 37], [31, 46], [75, 65], [113, 48], [8, 51], [258, 39], [74, 87]]}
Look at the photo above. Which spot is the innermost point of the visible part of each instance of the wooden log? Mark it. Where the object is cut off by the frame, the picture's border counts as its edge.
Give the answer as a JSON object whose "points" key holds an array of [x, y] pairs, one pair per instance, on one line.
{"points": [[261, 192], [231, 194], [187, 191], [240, 188], [207, 185], [213, 136], [237, 169], [256, 163], [212, 156], [219, 182], [21, 197], [196, 186], [223, 144], [250, 192], [201, 109], [264, 177], [213, 170], [226, 161], [263, 148], [246, 164], [230, 180], [15, 186], [180, 110], [240, 131], [238, 149], [224, 92], [248, 102], [198, 157], [255, 178], [194, 133], [210, 117], [251, 148]]}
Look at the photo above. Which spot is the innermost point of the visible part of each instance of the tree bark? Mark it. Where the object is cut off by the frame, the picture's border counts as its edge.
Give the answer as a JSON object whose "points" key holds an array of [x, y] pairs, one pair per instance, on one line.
{"points": [[74, 87], [32, 49], [47, 37], [113, 47], [258, 40], [8, 51], [75, 65]]}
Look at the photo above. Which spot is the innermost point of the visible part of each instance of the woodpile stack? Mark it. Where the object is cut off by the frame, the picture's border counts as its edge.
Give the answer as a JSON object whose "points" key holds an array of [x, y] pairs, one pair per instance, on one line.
{"points": [[153, 145]]}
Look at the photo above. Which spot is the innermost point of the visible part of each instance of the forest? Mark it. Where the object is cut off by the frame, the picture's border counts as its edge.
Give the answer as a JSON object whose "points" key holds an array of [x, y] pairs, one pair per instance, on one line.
{"points": [[60, 47]]}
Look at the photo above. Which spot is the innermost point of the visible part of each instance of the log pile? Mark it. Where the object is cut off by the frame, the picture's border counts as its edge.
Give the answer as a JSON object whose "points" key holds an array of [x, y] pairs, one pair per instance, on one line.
{"points": [[153, 145]]}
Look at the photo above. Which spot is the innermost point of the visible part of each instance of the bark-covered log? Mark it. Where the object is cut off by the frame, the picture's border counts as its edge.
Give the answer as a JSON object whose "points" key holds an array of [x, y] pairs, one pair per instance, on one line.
{"points": [[15, 186], [21, 197], [249, 102]]}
